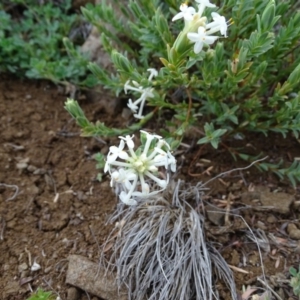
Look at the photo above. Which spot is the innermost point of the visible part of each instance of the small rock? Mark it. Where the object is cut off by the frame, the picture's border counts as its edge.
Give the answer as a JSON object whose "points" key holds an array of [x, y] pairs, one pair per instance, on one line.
{"points": [[25, 280], [39, 172], [35, 267], [73, 294], [22, 267], [33, 189], [261, 225], [57, 222], [90, 277], [22, 166], [215, 214], [293, 231], [47, 270], [278, 202], [271, 219], [10, 288], [31, 168], [126, 113], [24, 274]]}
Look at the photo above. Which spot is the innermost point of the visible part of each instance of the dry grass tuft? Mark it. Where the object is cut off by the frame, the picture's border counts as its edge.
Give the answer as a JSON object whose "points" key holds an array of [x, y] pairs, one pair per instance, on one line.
{"points": [[159, 250]]}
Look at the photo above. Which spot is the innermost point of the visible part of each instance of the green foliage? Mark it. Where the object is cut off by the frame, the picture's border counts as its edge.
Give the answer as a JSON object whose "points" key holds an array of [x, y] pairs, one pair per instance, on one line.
{"points": [[248, 82], [292, 172], [99, 157], [295, 281], [41, 295], [31, 42]]}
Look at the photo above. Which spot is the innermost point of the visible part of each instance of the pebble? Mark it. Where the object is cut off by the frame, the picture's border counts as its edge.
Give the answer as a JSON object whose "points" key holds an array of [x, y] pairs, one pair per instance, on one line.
{"points": [[271, 219], [293, 231], [73, 294], [47, 270], [31, 168], [22, 267], [278, 202], [22, 166]]}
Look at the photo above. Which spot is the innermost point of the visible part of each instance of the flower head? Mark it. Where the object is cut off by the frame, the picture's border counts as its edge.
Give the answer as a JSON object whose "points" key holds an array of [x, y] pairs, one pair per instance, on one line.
{"points": [[140, 170], [145, 94], [219, 24], [202, 5], [201, 38], [186, 12]]}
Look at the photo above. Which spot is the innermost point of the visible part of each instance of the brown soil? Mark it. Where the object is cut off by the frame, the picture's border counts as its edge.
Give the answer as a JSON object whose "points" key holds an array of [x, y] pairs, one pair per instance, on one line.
{"points": [[61, 208]]}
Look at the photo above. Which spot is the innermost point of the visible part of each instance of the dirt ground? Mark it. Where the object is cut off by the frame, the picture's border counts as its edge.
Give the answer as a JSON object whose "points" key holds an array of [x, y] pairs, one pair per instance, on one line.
{"points": [[61, 209]]}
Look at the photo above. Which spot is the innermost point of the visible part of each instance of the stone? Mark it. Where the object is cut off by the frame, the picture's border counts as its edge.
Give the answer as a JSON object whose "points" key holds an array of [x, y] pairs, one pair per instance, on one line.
{"points": [[73, 294], [215, 214], [90, 277], [293, 231], [277, 202]]}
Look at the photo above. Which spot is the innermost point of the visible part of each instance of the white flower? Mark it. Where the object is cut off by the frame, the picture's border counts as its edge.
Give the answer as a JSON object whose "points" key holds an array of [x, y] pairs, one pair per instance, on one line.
{"points": [[122, 176], [200, 39], [127, 199], [186, 13], [153, 73], [172, 162], [219, 24], [138, 169], [145, 94], [129, 141], [115, 152], [136, 88], [133, 107], [35, 267], [202, 5]]}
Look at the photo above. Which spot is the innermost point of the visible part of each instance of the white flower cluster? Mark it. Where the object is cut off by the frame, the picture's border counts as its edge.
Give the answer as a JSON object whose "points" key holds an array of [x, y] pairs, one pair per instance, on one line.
{"points": [[140, 169], [145, 93], [203, 35]]}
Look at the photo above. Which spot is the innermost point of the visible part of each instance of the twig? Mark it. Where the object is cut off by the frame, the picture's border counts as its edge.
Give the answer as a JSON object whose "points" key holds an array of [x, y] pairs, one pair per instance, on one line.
{"points": [[29, 256], [238, 269], [233, 170], [97, 243], [50, 286], [87, 294], [3, 225], [13, 187], [268, 287]]}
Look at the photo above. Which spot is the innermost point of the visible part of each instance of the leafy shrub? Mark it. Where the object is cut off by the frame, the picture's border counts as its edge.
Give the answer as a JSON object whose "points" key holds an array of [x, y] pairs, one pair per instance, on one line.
{"points": [[31, 41], [41, 295], [247, 82], [295, 280]]}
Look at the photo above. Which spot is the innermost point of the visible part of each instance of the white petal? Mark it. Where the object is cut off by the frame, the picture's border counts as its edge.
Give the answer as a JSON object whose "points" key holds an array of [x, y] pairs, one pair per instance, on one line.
{"points": [[210, 39], [162, 183], [123, 155], [145, 188], [137, 116], [194, 37], [127, 200], [132, 106], [215, 16], [115, 175], [106, 167], [177, 16], [35, 267], [206, 3], [198, 47], [153, 73], [153, 169], [112, 158], [113, 149]]}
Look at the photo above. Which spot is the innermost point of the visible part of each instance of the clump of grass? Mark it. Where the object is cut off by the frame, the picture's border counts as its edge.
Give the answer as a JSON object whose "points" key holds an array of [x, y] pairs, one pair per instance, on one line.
{"points": [[40, 294], [160, 252]]}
